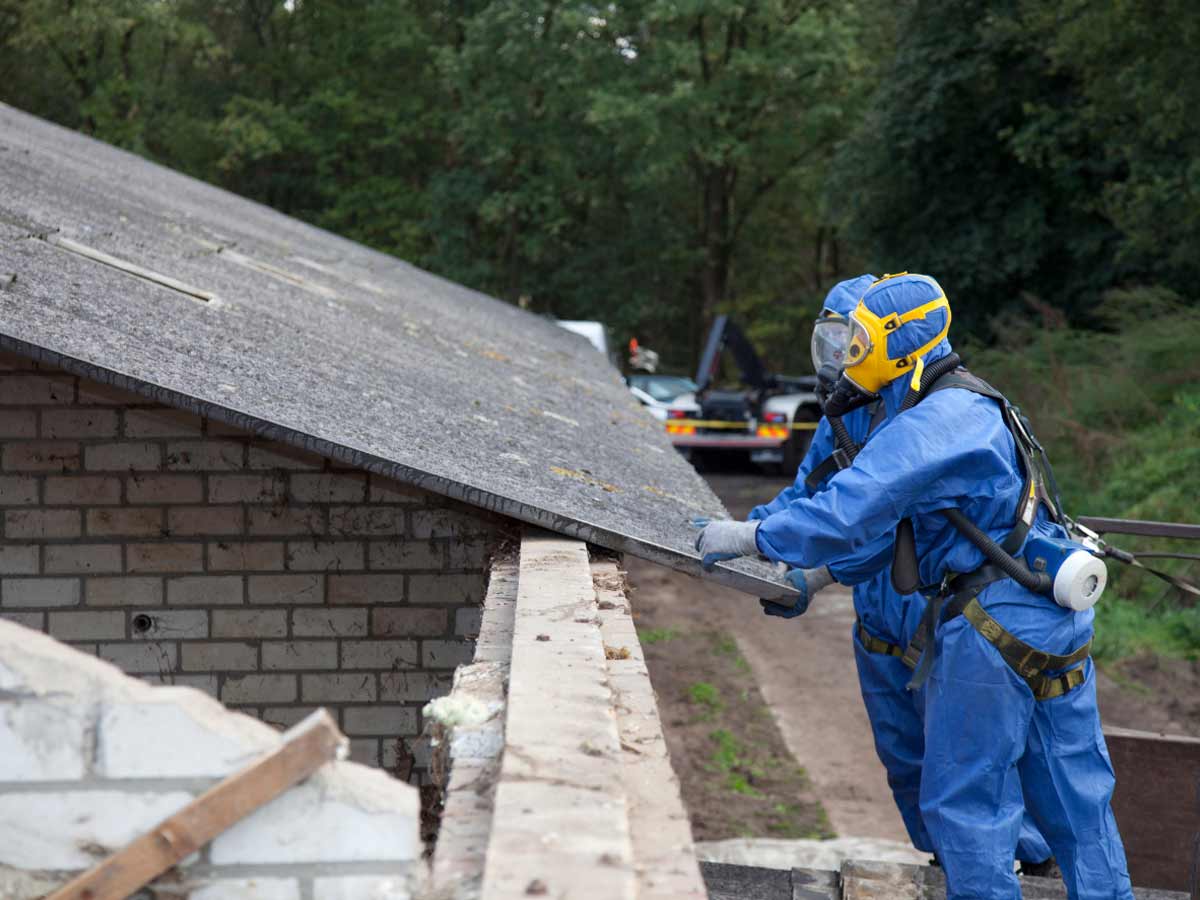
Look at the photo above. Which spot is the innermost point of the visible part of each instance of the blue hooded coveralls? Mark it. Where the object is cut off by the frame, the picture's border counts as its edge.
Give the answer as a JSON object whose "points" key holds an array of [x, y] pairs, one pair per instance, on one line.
{"points": [[895, 713], [991, 750]]}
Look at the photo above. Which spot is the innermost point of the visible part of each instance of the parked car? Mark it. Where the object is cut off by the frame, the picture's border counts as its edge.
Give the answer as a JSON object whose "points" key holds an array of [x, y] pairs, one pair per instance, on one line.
{"points": [[771, 417], [662, 393]]}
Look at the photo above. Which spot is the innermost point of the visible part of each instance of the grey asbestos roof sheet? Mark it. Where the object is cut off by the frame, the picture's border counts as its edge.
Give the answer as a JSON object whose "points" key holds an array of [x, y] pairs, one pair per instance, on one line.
{"points": [[138, 276]]}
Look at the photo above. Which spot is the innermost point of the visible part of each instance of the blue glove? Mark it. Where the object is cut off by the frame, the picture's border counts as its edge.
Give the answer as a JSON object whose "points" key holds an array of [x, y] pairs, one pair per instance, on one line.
{"points": [[724, 540], [807, 582]]}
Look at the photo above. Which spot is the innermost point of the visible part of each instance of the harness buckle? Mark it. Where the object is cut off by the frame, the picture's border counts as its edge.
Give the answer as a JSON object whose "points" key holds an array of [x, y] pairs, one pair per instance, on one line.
{"points": [[842, 458]]}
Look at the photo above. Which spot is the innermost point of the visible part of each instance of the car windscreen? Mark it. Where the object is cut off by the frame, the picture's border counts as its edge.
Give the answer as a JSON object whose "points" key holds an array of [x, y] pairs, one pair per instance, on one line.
{"points": [[662, 387]]}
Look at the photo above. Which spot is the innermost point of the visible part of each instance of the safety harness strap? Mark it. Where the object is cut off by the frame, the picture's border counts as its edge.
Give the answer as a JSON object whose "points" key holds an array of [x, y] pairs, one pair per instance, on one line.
{"points": [[839, 459], [1029, 662], [873, 644]]}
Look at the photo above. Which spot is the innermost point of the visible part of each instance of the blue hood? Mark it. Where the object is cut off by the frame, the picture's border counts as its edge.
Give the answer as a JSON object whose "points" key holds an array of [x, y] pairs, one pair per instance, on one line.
{"points": [[844, 296]]}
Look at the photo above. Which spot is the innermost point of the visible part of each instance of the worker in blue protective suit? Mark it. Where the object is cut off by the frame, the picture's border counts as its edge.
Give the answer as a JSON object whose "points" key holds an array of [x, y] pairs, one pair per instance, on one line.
{"points": [[1000, 737], [886, 620]]}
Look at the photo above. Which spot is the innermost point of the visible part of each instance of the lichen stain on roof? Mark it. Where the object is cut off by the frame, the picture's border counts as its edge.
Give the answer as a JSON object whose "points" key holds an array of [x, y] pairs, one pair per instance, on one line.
{"points": [[126, 272]]}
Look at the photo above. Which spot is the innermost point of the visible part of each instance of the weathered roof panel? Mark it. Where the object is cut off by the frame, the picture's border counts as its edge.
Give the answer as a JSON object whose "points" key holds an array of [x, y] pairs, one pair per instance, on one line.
{"points": [[138, 276]]}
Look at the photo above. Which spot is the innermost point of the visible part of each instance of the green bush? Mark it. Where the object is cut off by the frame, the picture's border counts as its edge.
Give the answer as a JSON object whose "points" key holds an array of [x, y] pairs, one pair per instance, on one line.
{"points": [[1118, 411]]}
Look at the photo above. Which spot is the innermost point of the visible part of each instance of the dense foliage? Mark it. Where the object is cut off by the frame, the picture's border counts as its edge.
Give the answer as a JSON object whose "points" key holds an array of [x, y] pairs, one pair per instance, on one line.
{"points": [[654, 162]]}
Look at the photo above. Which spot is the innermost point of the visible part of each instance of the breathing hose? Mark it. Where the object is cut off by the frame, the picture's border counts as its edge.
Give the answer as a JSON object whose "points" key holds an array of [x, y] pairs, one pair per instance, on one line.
{"points": [[932, 373], [842, 436], [1038, 582]]}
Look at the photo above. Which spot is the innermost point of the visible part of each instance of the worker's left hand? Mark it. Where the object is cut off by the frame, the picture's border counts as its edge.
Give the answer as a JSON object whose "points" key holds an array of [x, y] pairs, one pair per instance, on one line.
{"points": [[807, 582], [724, 540]]}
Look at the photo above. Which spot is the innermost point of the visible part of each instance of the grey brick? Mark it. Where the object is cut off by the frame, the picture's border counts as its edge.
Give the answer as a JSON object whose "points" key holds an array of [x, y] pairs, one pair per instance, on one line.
{"points": [[408, 555], [18, 559], [126, 521], [172, 624], [299, 654], [386, 721], [413, 687], [385, 490], [141, 657], [34, 620], [205, 590], [403, 621], [446, 523], [82, 490], [92, 393], [87, 626], [446, 654], [18, 423], [141, 488], [205, 520], [17, 490], [329, 622], [231, 657], [256, 488], [329, 487], [379, 654], [279, 521], [205, 456], [204, 683], [164, 557], [339, 556], [162, 422], [79, 423], [260, 689], [457, 590], [366, 590], [239, 556], [467, 622], [36, 390], [83, 559], [365, 751], [123, 457], [287, 588], [39, 591], [470, 554], [285, 716], [366, 521], [331, 688], [124, 591], [42, 523], [282, 456], [249, 623]]}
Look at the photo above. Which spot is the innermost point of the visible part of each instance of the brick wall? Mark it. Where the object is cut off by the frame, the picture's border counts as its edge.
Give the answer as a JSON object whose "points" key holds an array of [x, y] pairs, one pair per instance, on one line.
{"points": [[189, 552]]}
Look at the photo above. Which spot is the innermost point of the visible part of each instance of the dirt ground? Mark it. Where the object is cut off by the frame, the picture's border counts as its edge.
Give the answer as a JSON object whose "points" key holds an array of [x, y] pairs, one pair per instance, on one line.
{"points": [[802, 670]]}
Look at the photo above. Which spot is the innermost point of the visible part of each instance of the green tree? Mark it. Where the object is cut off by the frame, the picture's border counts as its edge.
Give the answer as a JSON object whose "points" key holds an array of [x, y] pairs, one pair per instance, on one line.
{"points": [[936, 186]]}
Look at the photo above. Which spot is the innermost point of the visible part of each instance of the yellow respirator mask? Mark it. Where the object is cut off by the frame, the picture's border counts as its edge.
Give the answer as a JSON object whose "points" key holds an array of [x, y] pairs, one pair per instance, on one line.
{"points": [[867, 362]]}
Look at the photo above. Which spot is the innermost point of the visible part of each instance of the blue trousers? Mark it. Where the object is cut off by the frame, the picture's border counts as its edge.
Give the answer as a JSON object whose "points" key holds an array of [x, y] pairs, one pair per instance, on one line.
{"points": [[992, 752], [897, 718]]}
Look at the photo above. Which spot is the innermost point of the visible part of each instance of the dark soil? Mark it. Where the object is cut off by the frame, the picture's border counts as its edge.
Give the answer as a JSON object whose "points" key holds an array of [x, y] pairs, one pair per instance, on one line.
{"points": [[1149, 693], [737, 776]]}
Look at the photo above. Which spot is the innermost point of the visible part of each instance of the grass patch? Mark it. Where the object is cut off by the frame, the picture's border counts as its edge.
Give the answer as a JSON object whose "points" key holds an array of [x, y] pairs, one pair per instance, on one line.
{"points": [[729, 759], [726, 645], [656, 635], [706, 695]]}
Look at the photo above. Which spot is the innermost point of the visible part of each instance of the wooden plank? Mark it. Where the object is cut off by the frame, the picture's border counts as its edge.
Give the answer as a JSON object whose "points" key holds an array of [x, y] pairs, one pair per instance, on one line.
{"points": [[307, 747], [65, 243], [1157, 805]]}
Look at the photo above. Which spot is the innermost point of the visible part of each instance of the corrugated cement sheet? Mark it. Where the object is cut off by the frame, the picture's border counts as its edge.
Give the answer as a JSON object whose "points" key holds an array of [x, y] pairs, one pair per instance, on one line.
{"points": [[135, 275]]}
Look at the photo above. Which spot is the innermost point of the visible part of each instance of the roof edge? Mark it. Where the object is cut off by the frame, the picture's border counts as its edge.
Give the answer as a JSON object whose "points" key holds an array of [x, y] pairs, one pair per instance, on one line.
{"points": [[473, 496]]}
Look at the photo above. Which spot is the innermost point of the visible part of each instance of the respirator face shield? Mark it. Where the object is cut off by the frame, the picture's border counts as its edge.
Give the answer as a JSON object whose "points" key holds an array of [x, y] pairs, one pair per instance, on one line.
{"points": [[831, 334]]}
